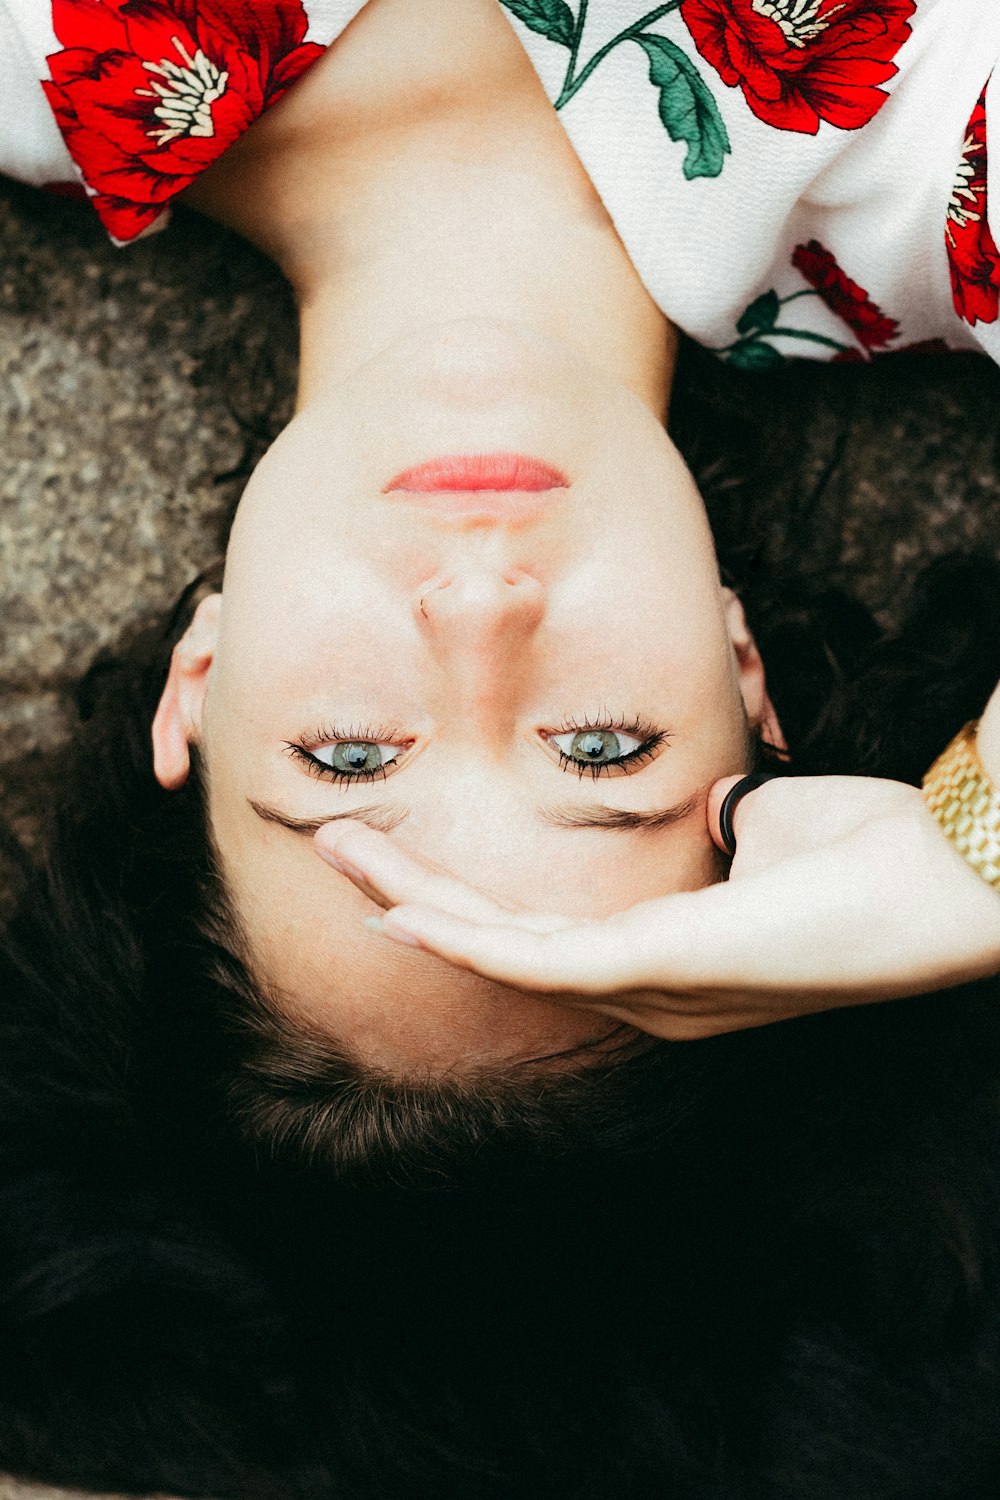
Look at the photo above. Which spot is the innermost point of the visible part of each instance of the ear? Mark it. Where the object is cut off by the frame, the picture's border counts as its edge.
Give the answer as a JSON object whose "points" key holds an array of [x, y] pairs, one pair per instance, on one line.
{"points": [[750, 668], [178, 718]]}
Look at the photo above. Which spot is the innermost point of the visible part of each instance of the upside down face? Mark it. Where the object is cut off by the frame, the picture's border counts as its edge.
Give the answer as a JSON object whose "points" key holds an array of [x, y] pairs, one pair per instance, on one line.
{"points": [[471, 597]]}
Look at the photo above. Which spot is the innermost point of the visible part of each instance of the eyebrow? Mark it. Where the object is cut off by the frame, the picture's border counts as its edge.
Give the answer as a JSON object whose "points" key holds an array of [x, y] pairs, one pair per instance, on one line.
{"points": [[384, 817], [619, 819]]}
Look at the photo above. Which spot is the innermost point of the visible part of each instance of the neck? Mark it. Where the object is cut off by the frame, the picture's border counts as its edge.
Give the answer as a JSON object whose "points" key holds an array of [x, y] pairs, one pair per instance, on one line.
{"points": [[458, 203], [431, 238]]}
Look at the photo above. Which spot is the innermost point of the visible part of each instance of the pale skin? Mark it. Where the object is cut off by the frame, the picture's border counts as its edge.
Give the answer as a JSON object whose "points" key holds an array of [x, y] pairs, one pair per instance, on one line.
{"points": [[461, 651]]}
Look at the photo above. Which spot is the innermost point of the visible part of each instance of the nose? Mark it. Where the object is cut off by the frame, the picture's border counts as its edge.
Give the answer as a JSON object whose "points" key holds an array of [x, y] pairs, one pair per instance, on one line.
{"points": [[480, 624], [481, 608]]}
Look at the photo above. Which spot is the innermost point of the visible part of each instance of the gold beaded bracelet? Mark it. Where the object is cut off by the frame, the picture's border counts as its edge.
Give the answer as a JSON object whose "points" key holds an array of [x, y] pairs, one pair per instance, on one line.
{"points": [[967, 804]]}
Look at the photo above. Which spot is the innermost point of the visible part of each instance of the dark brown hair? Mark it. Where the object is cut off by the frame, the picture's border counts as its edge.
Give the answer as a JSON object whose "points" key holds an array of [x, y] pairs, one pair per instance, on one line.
{"points": [[232, 1263]]}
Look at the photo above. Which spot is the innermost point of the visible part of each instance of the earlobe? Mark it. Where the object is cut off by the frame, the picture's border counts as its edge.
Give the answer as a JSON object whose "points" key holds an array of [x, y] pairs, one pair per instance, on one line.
{"points": [[177, 722], [753, 684], [171, 755]]}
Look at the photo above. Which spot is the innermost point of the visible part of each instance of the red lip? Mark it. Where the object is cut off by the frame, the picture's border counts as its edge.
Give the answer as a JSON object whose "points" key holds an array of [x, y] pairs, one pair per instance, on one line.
{"points": [[465, 473]]}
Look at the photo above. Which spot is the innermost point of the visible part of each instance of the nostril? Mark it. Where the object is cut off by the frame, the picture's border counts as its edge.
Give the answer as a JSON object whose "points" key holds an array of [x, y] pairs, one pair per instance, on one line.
{"points": [[525, 582], [480, 595], [428, 589]]}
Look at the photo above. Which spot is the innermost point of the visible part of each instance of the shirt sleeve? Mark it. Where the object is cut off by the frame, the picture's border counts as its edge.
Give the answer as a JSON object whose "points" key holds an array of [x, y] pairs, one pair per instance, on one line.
{"points": [[31, 146], [147, 96]]}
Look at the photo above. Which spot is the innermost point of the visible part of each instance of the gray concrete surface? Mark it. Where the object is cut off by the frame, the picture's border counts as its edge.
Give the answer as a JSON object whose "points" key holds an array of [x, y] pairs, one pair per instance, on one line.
{"points": [[129, 381]]}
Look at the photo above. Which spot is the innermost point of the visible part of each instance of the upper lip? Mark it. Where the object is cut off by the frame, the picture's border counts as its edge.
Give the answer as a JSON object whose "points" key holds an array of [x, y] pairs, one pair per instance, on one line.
{"points": [[465, 473]]}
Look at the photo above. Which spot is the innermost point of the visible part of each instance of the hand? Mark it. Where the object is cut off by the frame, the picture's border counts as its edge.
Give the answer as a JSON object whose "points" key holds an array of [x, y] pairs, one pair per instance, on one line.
{"points": [[843, 891]]}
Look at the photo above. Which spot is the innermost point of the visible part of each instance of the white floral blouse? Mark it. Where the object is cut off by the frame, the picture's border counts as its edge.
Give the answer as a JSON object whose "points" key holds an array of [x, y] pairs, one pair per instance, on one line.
{"points": [[788, 176]]}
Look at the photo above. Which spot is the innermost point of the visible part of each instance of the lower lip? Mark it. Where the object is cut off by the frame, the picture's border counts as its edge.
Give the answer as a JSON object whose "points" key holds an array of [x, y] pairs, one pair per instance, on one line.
{"points": [[470, 474]]}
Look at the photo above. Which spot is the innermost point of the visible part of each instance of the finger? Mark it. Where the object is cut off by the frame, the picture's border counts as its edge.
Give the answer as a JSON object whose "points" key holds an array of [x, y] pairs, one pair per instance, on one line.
{"points": [[585, 958], [716, 797], [391, 876]]}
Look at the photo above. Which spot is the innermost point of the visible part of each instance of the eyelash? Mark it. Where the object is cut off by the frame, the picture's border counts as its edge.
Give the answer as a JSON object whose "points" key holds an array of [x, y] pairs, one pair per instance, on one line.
{"points": [[327, 735], [651, 739]]}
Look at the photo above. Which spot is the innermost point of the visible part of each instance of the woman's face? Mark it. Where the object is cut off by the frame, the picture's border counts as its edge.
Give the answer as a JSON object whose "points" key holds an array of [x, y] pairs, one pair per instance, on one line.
{"points": [[533, 690]]}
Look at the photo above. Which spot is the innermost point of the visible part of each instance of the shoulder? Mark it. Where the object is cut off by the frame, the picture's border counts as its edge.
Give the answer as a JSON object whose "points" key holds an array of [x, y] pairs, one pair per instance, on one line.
{"points": [[137, 99]]}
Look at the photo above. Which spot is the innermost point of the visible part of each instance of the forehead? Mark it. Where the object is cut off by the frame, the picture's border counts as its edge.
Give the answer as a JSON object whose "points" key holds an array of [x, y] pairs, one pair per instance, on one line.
{"points": [[404, 1009], [411, 1013], [393, 1007]]}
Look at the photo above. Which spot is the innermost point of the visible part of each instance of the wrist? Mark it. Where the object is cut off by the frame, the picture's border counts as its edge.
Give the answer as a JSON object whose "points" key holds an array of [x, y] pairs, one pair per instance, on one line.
{"points": [[965, 801]]}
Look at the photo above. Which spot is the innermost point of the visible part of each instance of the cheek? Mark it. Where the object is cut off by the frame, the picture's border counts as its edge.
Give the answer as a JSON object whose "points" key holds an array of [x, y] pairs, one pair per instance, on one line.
{"points": [[710, 719], [329, 627]]}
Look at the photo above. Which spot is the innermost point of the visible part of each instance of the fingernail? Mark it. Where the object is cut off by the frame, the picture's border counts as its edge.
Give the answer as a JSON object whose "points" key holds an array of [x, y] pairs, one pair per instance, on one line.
{"points": [[377, 924], [337, 861]]}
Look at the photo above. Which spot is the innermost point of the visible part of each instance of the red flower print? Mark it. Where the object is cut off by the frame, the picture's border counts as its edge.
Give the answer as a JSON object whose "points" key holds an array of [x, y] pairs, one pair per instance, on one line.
{"points": [[148, 93], [972, 253], [864, 318], [802, 61]]}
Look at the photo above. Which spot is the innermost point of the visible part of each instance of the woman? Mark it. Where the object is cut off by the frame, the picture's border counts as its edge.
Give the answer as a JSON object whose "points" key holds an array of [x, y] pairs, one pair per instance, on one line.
{"points": [[435, 631], [323, 1398]]}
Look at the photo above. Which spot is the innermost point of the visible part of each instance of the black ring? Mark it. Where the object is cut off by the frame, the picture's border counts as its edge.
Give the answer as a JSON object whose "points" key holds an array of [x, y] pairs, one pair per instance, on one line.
{"points": [[731, 801]]}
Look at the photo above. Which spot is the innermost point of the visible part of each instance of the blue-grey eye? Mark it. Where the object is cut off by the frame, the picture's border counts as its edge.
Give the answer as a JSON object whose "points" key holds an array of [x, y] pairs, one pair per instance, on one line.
{"points": [[356, 757], [596, 747]]}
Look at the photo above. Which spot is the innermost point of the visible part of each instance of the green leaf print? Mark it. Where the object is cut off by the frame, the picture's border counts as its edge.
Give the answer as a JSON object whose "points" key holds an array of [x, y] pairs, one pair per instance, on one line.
{"points": [[687, 108], [754, 357], [550, 18], [761, 315], [749, 352]]}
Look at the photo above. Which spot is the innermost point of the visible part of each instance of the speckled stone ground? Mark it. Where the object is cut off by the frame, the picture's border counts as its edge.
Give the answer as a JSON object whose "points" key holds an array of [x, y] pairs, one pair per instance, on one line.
{"points": [[130, 381]]}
